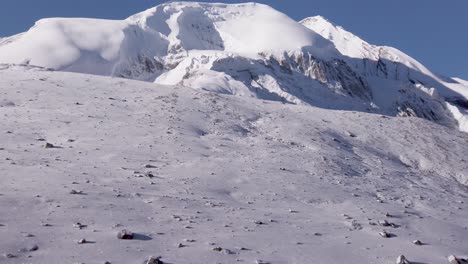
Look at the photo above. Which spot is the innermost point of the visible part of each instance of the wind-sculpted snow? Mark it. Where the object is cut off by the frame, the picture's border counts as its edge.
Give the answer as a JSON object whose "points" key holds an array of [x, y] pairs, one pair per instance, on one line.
{"points": [[245, 49]]}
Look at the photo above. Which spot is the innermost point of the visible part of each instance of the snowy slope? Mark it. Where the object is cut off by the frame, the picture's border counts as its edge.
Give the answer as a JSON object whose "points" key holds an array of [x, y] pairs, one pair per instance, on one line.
{"points": [[259, 179], [248, 50]]}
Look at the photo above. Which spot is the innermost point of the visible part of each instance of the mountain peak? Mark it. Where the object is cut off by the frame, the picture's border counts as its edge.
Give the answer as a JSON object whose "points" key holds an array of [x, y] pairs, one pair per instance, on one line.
{"points": [[244, 49]]}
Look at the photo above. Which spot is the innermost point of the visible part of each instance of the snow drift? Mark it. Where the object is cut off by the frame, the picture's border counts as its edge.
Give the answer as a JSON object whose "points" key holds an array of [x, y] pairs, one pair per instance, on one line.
{"points": [[245, 49]]}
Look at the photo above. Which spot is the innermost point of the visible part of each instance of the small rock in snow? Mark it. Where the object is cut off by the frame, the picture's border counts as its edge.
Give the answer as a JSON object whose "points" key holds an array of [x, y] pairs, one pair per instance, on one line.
{"points": [[402, 260], [125, 234], [76, 192], [82, 241], [49, 145], [33, 248], [227, 251], [417, 242], [384, 234], [384, 223], [79, 225], [454, 260], [8, 255], [350, 134], [153, 260]]}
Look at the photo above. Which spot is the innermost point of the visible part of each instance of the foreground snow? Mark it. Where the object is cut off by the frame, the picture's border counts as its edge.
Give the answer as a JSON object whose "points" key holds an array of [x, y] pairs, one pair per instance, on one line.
{"points": [[265, 180]]}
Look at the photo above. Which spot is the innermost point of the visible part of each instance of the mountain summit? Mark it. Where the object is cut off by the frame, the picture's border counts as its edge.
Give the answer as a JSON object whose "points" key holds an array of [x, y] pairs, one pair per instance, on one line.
{"points": [[249, 50]]}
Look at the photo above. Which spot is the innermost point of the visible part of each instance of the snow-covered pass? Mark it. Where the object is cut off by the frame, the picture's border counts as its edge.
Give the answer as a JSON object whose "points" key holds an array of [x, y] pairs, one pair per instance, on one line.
{"points": [[333, 150]]}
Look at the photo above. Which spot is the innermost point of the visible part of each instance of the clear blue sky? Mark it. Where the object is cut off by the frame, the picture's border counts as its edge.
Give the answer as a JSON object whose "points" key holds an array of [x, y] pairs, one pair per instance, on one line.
{"points": [[433, 31]]}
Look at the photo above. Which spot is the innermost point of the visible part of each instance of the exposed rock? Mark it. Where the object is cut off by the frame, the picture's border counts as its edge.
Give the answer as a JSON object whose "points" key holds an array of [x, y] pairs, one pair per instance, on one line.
{"points": [[402, 260], [76, 192], [350, 134], [384, 223], [82, 241], [417, 242], [153, 260], [125, 234], [456, 260], [49, 145], [8, 255], [384, 234], [79, 225]]}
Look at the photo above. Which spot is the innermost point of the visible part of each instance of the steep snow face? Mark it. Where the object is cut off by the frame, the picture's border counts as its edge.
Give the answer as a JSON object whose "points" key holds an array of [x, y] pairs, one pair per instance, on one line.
{"points": [[244, 49], [391, 73], [246, 29], [352, 46]]}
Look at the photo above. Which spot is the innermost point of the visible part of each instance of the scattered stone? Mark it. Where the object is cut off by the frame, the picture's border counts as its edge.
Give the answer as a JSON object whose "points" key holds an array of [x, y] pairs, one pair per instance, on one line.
{"points": [[402, 260], [76, 192], [149, 166], [49, 145], [383, 223], [350, 134], [28, 235], [29, 249], [258, 222], [228, 251], [153, 260], [454, 260], [125, 234], [149, 175], [219, 249], [417, 242], [33, 248], [243, 248], [384, 234], [8, 255], [79, 225], [180, 245], [82, 241]]}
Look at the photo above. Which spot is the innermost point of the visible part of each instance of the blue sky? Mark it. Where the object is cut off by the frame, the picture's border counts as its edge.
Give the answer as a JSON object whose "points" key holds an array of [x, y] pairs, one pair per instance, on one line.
{"points": [[433, 31]]}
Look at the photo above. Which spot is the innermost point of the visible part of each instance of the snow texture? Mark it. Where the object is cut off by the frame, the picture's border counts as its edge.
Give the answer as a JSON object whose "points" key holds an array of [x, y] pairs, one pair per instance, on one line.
{"points": [[192, 172], [333, 150]]}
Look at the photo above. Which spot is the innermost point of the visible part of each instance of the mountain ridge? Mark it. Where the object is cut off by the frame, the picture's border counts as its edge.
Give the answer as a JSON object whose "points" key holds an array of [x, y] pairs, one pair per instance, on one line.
{"points": [[236, 49]]}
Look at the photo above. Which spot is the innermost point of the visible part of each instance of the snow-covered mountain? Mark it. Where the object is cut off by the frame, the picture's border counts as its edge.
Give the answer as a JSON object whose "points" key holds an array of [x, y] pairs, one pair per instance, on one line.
{"points": [[207, 177], [211, 178], [245, 49]]}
